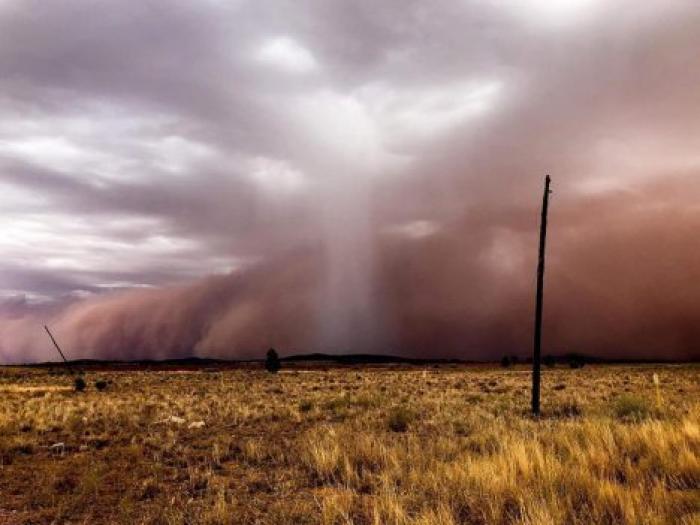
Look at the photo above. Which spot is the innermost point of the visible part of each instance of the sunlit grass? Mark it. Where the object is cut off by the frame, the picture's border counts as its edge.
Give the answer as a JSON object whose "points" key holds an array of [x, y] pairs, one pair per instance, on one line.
{"points": [[350, 446]]}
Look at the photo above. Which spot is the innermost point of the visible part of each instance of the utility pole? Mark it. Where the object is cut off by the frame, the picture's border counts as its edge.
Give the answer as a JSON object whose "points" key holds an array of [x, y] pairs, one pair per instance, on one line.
{"points": [[56, 344], [536, 364]]}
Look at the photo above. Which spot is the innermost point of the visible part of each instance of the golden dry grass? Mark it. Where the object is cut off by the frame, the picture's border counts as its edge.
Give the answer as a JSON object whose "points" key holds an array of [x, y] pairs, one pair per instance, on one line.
{"points": [[445, 445]]}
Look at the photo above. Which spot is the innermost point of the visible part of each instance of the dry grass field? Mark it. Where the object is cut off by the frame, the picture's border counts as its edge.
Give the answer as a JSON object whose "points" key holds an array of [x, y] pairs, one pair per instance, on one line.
{"points": [[383, 445]]}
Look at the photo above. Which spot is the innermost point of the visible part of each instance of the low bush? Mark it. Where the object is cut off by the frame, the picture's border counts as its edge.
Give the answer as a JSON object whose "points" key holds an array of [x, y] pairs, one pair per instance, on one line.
{"points": [[399, 419], [632, 408]]}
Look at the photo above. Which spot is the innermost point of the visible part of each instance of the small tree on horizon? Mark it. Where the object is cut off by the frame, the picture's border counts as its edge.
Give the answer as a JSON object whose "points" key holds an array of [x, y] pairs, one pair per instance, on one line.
{"points": [[79, 384], [272, 361]]}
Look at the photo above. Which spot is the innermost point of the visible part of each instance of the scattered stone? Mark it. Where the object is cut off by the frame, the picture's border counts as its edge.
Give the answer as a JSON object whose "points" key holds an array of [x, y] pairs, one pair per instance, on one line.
{"points": [[58, 448]]}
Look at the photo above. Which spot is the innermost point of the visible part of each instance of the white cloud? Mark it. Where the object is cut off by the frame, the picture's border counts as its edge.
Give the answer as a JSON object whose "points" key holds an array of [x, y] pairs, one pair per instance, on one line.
{"points": [[176, 154], [551, 13], [287, 54], [276, 176], [342, 132], [53, 152], [114, 145], [66, 243], [420, 113]]}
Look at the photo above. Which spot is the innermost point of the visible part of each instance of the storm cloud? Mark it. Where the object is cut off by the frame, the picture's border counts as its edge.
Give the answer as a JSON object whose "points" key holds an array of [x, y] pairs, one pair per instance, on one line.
{"points": [[214, 178]]}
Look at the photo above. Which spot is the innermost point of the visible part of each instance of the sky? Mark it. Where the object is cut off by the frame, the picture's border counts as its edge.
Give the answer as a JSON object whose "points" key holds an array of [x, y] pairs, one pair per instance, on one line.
{"points": [[214, 178]]}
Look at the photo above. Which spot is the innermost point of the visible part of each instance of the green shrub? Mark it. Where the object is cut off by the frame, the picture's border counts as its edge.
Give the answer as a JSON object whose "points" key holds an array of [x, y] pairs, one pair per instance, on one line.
{"points": [[399, 419], [305, 406], [338, 403], [101, 385], [339, 407], [632, 408]]}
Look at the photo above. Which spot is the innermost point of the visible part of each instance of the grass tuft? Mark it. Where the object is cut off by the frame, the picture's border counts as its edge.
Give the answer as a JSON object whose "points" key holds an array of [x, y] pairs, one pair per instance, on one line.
{"points": [[400, 418], [631, 408]]}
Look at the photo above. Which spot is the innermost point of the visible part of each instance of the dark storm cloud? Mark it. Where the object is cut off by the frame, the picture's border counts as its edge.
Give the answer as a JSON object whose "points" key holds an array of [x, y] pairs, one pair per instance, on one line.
{"points": [[363, 176]]}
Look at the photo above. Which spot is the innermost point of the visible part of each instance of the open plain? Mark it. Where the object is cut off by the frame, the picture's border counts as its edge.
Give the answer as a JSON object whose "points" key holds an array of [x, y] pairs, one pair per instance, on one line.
{"points": [[373, 445]]}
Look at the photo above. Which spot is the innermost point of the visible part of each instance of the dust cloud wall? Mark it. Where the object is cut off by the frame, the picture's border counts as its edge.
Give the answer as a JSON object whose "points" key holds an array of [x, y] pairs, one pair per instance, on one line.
{"points": [[214, 178]]}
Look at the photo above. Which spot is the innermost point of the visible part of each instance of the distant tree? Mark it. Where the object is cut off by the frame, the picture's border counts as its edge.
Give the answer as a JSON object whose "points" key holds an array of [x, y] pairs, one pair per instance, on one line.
{"points": [[514, 359], [549, 361], [505, 361], [272, 361], [80, 384]]}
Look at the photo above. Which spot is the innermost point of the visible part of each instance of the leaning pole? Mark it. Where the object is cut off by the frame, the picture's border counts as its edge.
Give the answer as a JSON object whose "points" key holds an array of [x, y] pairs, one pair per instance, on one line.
{"points": [[56, 345], [536, 356]]}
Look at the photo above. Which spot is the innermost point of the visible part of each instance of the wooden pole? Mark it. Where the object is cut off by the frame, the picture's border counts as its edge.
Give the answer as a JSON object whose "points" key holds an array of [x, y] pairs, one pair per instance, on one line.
{"points": [[536, 360], [56, 344]]}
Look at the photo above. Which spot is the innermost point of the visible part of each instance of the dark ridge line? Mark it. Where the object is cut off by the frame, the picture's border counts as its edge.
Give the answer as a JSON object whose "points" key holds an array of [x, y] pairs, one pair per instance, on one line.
{"points": [[343, 359]]}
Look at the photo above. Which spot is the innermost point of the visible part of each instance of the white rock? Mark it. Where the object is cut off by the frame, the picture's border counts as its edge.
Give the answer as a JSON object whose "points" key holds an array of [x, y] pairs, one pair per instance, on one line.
{"points": [[58, 448]]}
